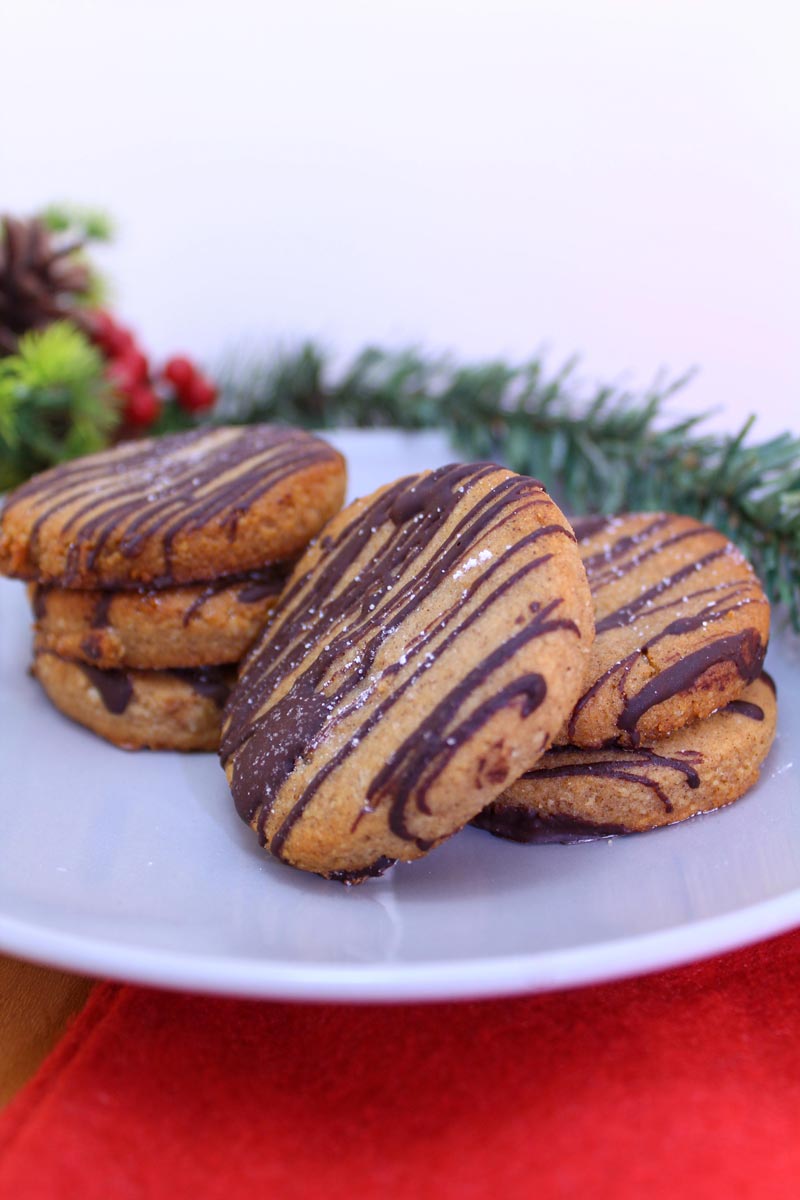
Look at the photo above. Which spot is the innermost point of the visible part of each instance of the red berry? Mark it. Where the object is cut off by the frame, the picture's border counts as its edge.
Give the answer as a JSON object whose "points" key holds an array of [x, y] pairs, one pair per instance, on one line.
{"points": [[180, 372], [101, 325], [198, 396], [142, 407], [128, 370], [121, 342], [96, 322], [113, 339]]}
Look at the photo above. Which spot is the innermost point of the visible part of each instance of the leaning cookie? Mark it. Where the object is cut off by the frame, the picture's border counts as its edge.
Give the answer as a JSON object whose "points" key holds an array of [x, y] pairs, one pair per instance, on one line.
{"points": [[159, 710], [156, 628], [682, 627], [575, 795], [165, 511], [424, 652]]}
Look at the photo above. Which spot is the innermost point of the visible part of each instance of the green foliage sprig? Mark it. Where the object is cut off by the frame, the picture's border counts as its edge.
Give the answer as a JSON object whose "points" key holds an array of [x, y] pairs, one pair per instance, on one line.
{"points": [[605, 451], [76, 228], [82, 224], [55, 402]]}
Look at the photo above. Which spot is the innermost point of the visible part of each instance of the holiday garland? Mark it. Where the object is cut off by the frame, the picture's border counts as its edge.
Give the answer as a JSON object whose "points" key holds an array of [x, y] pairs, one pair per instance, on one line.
{"points": [[73, 378], [609, 451]]}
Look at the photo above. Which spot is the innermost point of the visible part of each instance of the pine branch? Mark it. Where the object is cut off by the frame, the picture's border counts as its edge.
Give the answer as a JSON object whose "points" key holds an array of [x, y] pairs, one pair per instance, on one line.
{"points": [[606, 452]]}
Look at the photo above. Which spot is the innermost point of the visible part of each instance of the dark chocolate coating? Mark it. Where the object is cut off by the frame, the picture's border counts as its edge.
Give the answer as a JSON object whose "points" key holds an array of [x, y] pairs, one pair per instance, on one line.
{"points": [[517, 824], [115, 687], [211, 682], [100, 616], [745, 650], [373, 871], [256, 585], [745, 709]]}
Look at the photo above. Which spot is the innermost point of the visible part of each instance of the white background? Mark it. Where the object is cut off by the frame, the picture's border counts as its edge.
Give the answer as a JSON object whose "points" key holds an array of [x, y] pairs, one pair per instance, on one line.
{"points": [[614, 178]]}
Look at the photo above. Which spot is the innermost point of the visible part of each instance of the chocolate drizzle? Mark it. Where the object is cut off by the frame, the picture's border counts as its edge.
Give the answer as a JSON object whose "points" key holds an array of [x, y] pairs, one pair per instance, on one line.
{"points": [[115, 687], [605, 567], [213, 683], [327, 637], [628, 613], [526, 823], [745, 650], [201, 599], [261, 584], [743, 708], [373, 871], [166, 487], [253, 587], [628, 766], [38, 601], [518, 824], [256, 586], [102, 610], [693, 611]]}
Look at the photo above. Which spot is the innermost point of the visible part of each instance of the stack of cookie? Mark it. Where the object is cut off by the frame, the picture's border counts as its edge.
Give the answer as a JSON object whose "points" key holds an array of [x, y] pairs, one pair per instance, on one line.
{"points": [[676, 715], [154, 565]]}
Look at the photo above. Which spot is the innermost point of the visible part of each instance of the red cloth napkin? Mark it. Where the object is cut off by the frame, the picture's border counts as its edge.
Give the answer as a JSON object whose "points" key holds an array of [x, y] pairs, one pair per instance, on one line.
{"points": [[681, 1084]]}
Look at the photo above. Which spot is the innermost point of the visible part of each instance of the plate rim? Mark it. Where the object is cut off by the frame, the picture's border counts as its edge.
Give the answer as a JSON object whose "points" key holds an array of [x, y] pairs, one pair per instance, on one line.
{"points": [[387, 981], [456, 979]]}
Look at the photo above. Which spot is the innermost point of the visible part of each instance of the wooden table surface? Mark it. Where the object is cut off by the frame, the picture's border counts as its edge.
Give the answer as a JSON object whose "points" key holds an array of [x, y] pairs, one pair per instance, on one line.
{"points": [[36, 1004]]}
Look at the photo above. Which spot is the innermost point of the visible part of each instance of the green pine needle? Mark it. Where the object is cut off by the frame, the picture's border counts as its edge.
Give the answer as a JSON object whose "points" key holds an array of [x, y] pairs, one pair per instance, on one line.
{"points": [[606, 452]]}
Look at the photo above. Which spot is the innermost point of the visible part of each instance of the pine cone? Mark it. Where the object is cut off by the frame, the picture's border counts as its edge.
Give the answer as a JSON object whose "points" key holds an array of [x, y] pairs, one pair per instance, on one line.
{"points": [[40, 281]]}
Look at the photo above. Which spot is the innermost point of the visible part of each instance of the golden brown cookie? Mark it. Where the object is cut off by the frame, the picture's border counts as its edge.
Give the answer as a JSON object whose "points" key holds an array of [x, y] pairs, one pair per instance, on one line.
{"points": [[160, 710], [152, 629], [682, 627], [180, 509], [425, 651], [575, 795]]}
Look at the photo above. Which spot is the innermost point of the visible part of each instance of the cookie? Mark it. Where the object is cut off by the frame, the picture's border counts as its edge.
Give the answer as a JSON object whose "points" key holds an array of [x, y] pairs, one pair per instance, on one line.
{"points": [[424, 653], [165, 511], [155, 628], [161, 710], [682, 627], [575, 795]]}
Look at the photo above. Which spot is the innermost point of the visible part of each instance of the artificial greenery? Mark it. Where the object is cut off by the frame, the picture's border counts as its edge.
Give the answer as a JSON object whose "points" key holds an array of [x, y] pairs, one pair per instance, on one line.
{"points": [[76, 228], [55, 402], [603, 451], [607, 451]]}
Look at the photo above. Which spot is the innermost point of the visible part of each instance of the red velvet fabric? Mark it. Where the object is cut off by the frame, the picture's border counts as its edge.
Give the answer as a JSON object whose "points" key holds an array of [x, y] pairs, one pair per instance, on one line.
{"points": [[681, 1084]]}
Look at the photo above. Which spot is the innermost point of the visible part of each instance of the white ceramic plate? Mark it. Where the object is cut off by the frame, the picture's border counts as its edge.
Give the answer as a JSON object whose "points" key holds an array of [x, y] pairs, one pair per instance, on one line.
{"points": [[135, 866]]}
